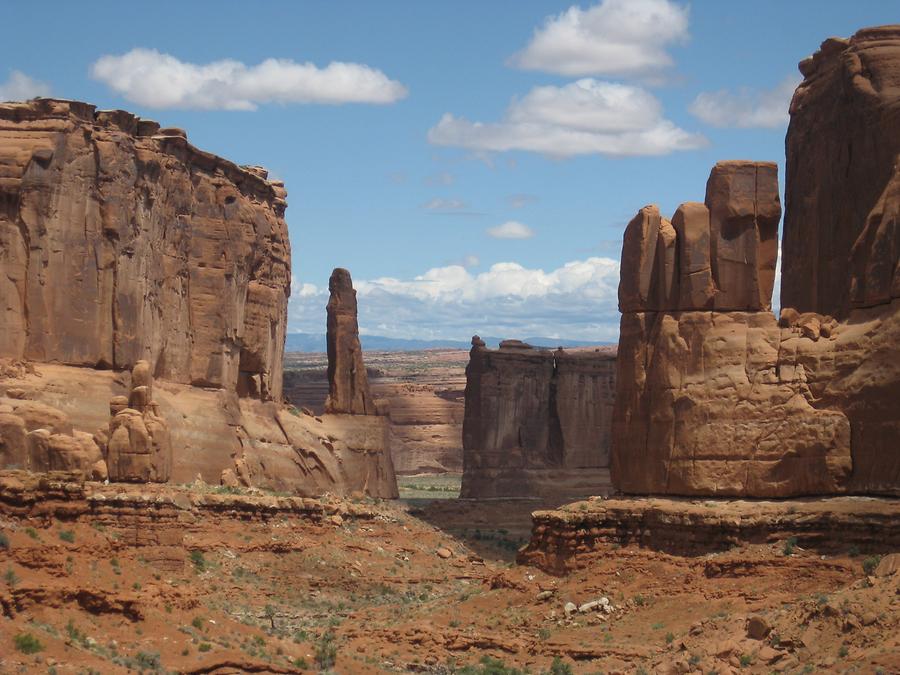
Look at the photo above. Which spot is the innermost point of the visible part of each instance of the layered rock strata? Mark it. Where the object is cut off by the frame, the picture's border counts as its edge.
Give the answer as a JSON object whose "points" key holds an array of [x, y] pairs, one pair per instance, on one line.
{"points": [[120, 242], [564, 538], [348, 382], [537, 422], [714, 396], [124, 248]]}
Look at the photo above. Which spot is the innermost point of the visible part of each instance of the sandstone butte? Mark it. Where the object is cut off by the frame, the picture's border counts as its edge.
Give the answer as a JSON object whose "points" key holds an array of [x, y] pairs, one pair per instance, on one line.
{"points": [[715, 396], [537, 422], [143, 296]]}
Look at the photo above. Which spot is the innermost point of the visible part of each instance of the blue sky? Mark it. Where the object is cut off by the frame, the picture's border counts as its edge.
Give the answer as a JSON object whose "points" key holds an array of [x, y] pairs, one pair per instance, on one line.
{"points": [[512, 228]]}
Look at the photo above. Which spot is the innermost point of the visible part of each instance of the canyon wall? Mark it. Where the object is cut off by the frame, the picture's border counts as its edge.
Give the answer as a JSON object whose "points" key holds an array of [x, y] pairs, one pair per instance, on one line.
{"points": [[716, 397], [122, 242], [537, 422], [123, 247]]}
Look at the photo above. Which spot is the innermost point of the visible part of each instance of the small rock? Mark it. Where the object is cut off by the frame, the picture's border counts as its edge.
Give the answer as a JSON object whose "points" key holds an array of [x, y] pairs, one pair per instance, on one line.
{"points": [[588, 606], [868, 618], [16, 393], [570, 608], [444, 553], [758, 628], [545, 595], [336, 520]]}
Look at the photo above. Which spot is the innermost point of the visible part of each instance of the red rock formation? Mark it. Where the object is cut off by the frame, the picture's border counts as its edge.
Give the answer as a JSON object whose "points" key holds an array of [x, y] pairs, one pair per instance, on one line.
{"points": [[729, 402], [122, 246], [840, 228], [137, 445], [121, 242], [536, 421], [348, 382]]}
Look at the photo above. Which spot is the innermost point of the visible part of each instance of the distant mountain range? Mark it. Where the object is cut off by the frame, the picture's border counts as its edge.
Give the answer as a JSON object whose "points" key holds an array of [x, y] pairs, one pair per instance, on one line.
{"points": [[315, 342]]}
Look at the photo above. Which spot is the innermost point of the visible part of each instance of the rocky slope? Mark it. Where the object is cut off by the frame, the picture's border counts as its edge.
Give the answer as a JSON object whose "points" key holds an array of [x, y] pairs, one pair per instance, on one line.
{"points": [[537, 422], [714, 396], [189, 579], [124, 247]]}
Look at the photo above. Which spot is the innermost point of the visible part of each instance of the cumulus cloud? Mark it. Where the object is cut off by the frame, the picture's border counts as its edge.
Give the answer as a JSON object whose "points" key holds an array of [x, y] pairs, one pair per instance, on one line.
{"points": [[511, 229], [20, 87], [584, 117], [615, 37], [577, 301], [746, 107], [157, 80]]}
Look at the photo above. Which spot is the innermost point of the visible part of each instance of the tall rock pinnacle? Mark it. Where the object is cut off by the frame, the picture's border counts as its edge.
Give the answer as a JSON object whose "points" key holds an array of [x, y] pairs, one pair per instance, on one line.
{"points": [[348, 384]]}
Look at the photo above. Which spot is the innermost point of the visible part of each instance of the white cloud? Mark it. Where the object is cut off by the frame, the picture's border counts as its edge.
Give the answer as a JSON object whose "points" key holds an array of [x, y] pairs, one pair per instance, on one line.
{"points": [[616, 37], [439, 204], [20, 87], [746, 107], [577, 301], [156, 80], [471, 261], [511, 229], [580, 118]]}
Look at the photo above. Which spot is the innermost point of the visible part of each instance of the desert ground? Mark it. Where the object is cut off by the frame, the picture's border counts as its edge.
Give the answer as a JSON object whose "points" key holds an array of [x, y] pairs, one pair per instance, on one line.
{"points": [[201, 579]]}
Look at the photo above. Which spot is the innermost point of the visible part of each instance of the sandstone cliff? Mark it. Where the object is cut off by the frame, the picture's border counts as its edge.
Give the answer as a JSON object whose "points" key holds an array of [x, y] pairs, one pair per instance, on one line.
{"points": [[714, 396], [121, 242], [537, 422], [124, 247]]}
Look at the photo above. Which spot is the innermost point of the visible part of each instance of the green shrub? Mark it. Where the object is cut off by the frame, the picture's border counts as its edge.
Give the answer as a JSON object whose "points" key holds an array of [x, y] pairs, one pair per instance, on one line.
{"points": [[204, 647], [198, 560], [27, 643], [326, 650], [67, 535], [31, 532], [560, 667], [198, 622], [10, 577], [147, 660], [669, 638], [870, 563], [789, 545], [4, 541]]}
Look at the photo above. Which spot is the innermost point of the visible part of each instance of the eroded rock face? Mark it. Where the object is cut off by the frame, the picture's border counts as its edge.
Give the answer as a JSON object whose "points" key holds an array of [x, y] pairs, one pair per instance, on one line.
{"points": [[729, 402], [137, 444], [841, 237], [123, 247], [348, 382], [122, 242], [537, 422], [38, 437]]}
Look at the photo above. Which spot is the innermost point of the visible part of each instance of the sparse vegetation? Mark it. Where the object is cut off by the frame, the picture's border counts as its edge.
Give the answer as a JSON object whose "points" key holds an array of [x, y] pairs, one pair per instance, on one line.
{"points": [[4, 541], [31, 532], [198, 560], [10, 577], [326, 650], [870, 563], [67, 536], [28, 643], [789, 545]]}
